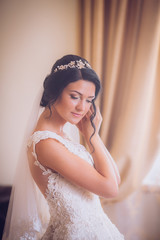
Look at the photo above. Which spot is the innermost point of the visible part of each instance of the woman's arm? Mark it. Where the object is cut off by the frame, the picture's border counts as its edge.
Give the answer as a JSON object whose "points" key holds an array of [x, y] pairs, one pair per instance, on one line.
{"points": [[113, 163], [104, 163], [100, 180], [54, 155]]}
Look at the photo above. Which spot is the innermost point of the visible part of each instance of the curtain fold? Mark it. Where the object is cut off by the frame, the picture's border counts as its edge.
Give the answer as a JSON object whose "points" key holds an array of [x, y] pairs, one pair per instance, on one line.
{"points": [[92, 30], [121, 39]]}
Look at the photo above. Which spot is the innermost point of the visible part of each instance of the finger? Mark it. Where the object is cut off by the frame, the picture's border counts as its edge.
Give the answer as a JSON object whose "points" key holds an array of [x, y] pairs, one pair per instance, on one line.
{"points": [[88, 114], [91, 109]]}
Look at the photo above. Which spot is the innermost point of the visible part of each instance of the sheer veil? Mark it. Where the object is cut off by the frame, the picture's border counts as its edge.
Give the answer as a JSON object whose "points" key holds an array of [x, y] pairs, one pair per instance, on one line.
{"points": [[28, 215]]}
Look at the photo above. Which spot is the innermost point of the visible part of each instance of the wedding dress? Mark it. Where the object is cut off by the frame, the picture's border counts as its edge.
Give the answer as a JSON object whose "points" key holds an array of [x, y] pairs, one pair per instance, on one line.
{"points": [[75, 213]]}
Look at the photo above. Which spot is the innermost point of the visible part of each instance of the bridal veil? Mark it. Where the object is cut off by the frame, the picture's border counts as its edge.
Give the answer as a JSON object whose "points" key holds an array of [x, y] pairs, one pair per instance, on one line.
{"points": [[27, 216]]}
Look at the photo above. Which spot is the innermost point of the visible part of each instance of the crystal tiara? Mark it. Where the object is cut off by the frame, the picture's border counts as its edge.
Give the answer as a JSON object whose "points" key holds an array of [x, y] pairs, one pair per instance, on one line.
{"points": [[73, 64]]}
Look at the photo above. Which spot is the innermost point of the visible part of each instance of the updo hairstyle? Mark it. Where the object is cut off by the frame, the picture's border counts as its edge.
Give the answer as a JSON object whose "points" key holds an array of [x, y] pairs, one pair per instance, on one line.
{"points": [[56, 81]]}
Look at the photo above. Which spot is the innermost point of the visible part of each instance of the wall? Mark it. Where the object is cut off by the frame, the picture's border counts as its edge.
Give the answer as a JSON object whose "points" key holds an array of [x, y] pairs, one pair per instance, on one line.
{"points": [[33, 35]]}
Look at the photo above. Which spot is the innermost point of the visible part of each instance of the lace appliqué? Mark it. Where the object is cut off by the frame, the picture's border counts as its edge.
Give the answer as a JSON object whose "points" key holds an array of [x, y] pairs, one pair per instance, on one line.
{"points": [[31, 230], [75, 213], [73, 147]]}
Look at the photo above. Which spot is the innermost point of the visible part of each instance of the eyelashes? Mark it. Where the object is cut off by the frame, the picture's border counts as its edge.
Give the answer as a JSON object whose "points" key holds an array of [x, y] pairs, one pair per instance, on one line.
{"points": [[73, 97], [89, 101]]}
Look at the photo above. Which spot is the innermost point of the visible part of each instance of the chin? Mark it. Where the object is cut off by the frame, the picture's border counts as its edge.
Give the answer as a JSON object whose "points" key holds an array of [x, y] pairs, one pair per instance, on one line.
{"points": [[74, 121]]}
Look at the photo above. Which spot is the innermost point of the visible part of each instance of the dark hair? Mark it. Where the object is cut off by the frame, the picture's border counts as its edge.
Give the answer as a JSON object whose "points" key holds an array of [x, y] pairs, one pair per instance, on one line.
{"points": [[55, 82]]}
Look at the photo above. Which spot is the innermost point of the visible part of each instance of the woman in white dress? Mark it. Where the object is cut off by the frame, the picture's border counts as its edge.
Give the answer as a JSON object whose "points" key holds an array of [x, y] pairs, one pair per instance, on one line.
{"points": [[69, 177]]}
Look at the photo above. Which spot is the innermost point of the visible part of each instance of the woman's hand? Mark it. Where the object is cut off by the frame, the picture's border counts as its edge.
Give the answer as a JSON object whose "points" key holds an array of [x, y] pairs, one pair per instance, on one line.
{"points": [[103, 162], [85, 125]]}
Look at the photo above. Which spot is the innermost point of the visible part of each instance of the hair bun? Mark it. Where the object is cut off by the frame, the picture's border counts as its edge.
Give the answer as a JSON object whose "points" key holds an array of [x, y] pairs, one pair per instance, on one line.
{"points": [[46, 82], [44, 101]]}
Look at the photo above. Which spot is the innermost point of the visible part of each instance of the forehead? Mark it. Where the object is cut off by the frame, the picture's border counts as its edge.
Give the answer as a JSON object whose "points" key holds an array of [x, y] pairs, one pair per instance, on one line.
{"points": [[83, 86]]}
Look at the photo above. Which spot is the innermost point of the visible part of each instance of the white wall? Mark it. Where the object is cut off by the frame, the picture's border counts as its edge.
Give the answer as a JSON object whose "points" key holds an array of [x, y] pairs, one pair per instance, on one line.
{"points": [[33, 35]]}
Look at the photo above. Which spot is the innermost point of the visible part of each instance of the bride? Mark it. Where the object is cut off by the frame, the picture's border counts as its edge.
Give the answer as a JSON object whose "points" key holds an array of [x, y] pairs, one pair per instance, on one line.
{"points": [[70, 179]]}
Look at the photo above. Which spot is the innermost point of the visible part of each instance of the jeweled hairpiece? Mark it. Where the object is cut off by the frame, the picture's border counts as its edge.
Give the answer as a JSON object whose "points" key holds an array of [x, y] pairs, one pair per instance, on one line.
{"points": [[73, 64]]}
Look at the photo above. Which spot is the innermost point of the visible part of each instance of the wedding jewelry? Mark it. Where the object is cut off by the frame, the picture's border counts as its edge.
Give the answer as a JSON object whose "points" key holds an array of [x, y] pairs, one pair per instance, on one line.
{"points": [[73, 64]]}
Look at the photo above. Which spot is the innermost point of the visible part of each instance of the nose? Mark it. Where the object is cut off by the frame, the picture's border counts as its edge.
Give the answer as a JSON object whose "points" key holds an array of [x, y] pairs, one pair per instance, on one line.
{"points": [[81, 106]]}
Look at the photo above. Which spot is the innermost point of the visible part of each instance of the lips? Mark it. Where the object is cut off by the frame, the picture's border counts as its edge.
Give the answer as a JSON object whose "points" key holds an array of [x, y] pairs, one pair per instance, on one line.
{"points": [[76, 114]]}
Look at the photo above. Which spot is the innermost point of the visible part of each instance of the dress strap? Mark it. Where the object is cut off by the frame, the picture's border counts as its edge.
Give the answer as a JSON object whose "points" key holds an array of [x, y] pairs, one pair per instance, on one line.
{"points": [[42, 135], [37, 137]]}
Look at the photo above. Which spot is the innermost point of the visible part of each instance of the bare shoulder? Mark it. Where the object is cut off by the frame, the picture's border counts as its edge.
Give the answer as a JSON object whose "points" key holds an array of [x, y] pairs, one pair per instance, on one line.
{"points": [[53, 154], [49, 149]]}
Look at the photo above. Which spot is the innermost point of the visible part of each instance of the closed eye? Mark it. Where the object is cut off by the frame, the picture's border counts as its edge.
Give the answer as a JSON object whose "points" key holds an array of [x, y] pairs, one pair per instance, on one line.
{"points": [[89, 101], [76, 97], [73, 97]]}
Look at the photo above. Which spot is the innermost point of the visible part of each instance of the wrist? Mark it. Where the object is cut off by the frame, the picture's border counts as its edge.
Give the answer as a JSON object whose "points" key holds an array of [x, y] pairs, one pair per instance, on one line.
{"points": [[92, 143]]}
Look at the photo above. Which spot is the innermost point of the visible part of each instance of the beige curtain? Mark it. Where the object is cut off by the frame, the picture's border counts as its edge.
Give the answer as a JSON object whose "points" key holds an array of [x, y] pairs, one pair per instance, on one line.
{"points": [[121, 39]]}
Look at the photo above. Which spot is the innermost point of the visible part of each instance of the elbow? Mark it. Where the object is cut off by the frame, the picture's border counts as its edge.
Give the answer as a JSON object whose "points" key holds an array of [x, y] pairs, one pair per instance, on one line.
{"points": [[119, 180], [115, 192], [111, 191]]}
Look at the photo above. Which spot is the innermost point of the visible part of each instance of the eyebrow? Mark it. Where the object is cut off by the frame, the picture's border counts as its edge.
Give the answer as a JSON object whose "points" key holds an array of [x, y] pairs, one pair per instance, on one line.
{"points": [[81, 93]]}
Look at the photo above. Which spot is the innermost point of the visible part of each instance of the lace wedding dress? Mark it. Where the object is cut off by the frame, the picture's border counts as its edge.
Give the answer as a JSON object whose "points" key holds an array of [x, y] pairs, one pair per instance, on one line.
{"points": [[75, 213]]}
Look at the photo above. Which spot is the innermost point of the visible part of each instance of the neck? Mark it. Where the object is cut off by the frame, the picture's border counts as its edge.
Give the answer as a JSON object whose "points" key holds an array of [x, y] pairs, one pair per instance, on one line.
{"points": [[51, 121]]}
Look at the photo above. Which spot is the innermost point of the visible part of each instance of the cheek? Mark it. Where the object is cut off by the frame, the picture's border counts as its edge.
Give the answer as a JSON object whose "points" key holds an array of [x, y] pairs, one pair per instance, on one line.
{"points": [[69, 105], [65, 102], [87, 108]]}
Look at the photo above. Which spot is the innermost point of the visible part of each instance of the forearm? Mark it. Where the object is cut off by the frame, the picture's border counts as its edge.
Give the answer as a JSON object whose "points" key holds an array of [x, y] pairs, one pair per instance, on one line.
{"points": [[104, 163], [113, 163]]}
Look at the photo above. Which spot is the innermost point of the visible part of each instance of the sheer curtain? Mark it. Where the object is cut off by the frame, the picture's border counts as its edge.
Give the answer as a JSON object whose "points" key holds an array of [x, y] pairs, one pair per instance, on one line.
{"points": [[121, 39]]}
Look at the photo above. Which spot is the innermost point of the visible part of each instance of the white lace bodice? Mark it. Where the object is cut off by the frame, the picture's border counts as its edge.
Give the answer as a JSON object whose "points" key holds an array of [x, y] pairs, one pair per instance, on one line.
{"points": [[75, 213]]}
